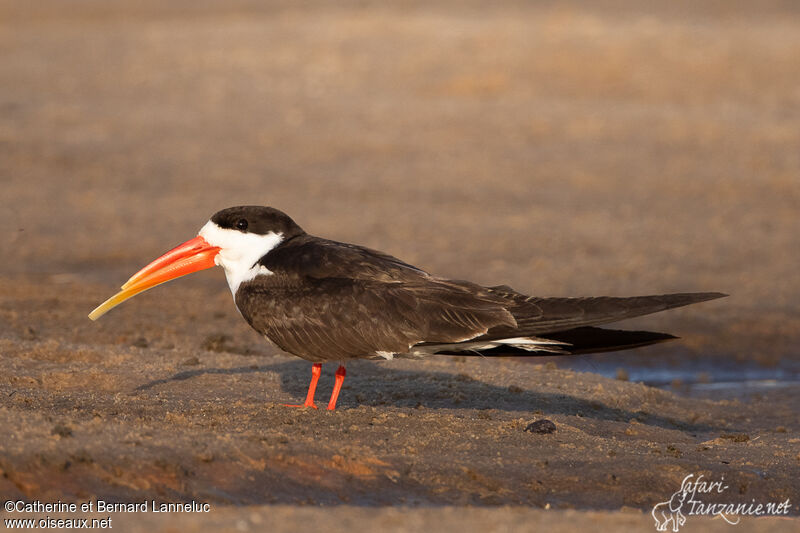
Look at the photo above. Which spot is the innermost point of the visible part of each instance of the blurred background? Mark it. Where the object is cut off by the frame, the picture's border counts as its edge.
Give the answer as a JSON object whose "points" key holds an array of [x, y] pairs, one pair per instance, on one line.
{"points": [[564, 148]]}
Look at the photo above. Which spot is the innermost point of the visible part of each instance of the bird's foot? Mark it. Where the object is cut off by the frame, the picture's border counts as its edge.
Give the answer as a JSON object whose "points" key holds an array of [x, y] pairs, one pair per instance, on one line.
{"points": [[316, 371]]}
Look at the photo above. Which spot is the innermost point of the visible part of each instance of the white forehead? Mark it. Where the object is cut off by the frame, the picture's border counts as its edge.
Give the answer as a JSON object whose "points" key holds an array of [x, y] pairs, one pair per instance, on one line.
{"points": [[237, 241], [239, 252]]}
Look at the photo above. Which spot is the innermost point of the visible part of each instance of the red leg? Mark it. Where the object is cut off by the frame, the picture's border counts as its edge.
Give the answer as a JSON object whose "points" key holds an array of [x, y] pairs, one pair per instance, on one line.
{"points": [[316, 371], [337, 387]]}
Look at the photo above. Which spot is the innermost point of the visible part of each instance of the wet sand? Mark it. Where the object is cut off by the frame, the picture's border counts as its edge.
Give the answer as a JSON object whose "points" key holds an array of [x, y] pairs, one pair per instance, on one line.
{"points": [[571, 149]]}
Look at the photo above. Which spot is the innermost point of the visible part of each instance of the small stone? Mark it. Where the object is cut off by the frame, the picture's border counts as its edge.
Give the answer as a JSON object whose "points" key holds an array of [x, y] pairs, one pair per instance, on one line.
{"points": [[736, 437], [543, 427], [217, 343], [140, 342], [192, 361], [82, 456], [62, 430], [205, 456]]}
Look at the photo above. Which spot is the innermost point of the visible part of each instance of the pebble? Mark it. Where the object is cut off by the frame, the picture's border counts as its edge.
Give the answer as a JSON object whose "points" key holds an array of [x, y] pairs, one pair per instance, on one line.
{"points": [[542, 426]]}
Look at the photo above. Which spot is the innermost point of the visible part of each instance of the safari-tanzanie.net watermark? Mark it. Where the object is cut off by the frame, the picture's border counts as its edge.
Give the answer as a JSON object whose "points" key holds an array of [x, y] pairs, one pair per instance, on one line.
{"points": [[699, 497]]}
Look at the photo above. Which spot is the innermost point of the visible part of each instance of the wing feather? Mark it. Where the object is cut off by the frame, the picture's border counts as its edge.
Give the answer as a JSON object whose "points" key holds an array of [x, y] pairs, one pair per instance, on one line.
{"points": [[547, 315], [326, 301]]}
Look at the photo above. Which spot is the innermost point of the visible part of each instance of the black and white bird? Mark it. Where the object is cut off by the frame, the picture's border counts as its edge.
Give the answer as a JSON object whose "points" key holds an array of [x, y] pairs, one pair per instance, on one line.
{"points": [[323, 300]]}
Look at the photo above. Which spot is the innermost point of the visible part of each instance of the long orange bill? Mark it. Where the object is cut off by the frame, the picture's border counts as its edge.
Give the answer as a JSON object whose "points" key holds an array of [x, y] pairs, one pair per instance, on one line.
{"points": [[191, 256]]}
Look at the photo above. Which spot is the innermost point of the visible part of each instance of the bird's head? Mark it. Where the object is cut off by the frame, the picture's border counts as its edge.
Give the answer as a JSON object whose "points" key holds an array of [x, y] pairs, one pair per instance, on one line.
{"points": [[235, 239]]}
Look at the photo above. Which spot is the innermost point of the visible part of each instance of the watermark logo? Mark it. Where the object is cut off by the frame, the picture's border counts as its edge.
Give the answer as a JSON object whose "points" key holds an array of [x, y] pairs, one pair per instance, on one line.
{"points": [[698, 496]]}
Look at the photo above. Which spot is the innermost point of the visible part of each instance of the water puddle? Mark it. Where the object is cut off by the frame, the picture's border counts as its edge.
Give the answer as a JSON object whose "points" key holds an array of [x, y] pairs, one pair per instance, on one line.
{"points": [[711, 379]]}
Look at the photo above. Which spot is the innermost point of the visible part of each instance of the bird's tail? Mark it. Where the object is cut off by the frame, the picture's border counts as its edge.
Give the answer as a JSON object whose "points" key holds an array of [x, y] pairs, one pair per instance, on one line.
{"points": [[569, 342], [565, 326]]}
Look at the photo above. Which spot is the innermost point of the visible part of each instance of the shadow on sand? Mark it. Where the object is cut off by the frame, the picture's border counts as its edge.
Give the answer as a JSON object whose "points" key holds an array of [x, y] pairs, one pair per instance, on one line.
{"points": [[374, 385]]}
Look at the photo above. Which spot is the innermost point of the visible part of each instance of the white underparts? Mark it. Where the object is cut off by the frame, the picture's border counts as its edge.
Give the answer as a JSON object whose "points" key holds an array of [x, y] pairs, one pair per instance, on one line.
{"points": [[240, 252], [530, 344]]}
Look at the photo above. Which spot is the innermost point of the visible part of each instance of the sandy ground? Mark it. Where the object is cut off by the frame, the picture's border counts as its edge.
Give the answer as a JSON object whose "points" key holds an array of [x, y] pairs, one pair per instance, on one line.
{"points": [[578, 148]]}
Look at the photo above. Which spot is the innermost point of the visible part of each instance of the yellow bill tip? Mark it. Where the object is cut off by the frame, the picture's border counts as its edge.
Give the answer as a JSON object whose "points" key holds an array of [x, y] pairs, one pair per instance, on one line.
{"points": [[109, 304]]}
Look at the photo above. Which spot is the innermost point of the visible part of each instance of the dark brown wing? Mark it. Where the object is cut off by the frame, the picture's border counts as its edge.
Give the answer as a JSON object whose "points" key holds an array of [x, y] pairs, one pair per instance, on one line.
{"points": [[331, 301], [539, 316]]}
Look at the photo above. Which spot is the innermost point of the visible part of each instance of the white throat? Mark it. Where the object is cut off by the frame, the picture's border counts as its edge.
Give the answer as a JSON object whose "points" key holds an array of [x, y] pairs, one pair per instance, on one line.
{"points": [[239, 252]]}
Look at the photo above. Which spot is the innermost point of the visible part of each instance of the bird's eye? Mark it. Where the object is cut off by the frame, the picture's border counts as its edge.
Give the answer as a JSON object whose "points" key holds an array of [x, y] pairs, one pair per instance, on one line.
{"points": [[241, 224]]}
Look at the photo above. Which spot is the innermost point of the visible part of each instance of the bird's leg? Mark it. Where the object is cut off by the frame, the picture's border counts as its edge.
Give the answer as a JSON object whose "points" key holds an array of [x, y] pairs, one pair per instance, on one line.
{"points": [[337, 387], [316, 371]]}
